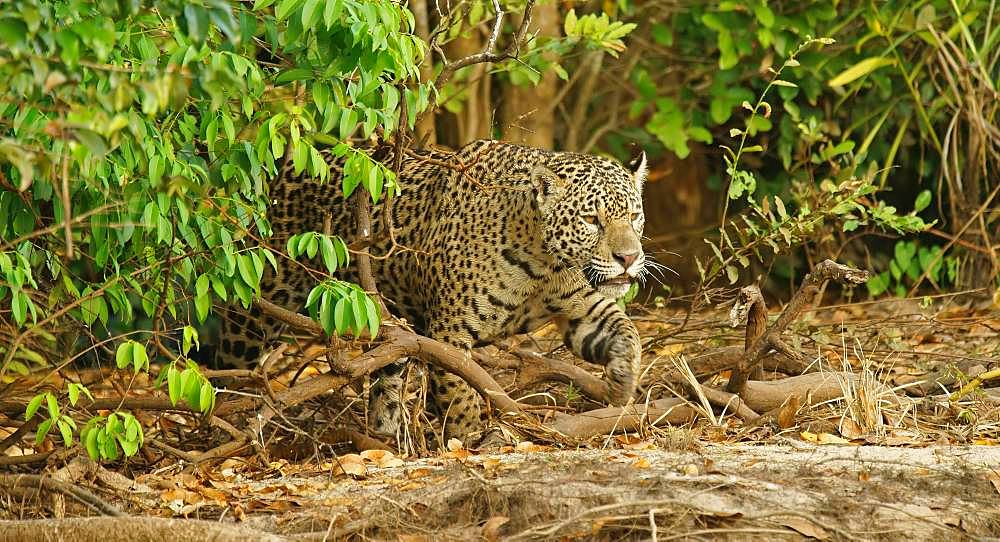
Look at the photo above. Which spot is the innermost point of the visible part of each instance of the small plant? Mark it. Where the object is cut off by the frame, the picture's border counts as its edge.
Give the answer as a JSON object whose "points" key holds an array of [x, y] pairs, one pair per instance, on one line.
{"points": [[909, 261], [108, 437], [840, 202], [629, 296]]}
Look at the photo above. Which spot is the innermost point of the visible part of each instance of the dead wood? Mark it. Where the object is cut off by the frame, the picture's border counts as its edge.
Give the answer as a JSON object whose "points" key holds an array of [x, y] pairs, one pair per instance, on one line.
{"points": [[128, 528], [398, 343], [39, 482], [629, 418], [729, 402], [536, 368], [10, 460], [813, 388], [749, 307], [752, 304]]}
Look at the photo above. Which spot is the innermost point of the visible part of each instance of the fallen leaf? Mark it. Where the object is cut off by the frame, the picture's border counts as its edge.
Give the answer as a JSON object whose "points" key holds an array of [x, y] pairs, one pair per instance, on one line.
{"points": [[382, 458], [213, 494], [491, 529], [641, 463], [786, 416], [823, 438], [994, 478], [350, 464], [527, 446], [418, 473], [804, 527], [849, 429]]}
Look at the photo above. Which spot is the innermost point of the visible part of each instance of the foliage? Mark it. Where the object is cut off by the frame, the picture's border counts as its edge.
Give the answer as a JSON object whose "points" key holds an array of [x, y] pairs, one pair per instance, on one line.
{"points": [[134, 165], [835, 200], [889, 88]]}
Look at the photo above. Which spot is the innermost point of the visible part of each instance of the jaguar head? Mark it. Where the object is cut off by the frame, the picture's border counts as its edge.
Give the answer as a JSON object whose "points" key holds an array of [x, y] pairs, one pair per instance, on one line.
{"points": [[592, 211]]}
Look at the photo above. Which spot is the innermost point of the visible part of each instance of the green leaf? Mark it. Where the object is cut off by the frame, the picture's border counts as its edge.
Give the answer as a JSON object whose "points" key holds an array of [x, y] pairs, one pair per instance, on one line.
{"points": [[326, 318], [90, 443], [342, 316], [922, 201], [196, 18], [53, 406], [569, 24], [328, 253], [174, 385], [33, 406], [246, 269], [66, 431], [285, 8], [42, 430], [763, 14], [140, 359], [903, 253], [206, 397], [74, 393], [878, 284], [374, 316], [123, 357], [860, 69], [311, 13]]}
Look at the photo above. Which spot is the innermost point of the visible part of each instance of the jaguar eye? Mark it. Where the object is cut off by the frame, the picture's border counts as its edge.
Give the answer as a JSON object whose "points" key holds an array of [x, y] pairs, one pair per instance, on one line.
{"points": [[635, 216], [590, 219]]}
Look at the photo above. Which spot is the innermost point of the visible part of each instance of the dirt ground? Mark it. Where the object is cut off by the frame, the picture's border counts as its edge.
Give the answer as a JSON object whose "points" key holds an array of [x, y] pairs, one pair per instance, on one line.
{"points": [[901, 457], [788, 490]]}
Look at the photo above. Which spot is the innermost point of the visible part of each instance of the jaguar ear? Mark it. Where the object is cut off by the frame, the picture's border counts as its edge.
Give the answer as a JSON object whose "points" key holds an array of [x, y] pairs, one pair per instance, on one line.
{"points": [[639, 169], [548, 186]]}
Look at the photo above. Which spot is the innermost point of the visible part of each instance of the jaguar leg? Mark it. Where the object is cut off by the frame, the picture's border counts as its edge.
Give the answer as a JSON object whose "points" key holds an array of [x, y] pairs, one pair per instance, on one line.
{"points": [[457, 403], [385, 399], [595, 328]]}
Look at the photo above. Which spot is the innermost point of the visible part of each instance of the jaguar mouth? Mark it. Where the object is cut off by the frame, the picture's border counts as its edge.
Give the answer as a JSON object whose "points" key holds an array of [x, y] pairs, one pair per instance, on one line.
{"points": [[620, 280]]}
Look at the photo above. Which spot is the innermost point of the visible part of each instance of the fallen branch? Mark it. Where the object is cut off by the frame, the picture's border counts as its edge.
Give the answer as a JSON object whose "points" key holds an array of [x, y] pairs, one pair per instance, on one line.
{"points": [[755, 351], [398, 343], [629, 418], [17, 481], [539, 368], [813, 388]]}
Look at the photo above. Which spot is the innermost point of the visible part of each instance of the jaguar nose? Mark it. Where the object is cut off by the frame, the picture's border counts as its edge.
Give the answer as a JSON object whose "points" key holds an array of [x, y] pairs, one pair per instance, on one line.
{"points": [[626, 258]]}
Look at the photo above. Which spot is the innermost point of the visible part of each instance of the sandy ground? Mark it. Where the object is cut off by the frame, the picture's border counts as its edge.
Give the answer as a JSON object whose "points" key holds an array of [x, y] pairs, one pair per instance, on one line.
{"points": [[788, 490]]}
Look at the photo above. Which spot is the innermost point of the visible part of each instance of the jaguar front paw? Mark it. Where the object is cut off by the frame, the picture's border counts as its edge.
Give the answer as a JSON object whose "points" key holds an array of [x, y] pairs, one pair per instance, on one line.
{"points": [[622, 371]]}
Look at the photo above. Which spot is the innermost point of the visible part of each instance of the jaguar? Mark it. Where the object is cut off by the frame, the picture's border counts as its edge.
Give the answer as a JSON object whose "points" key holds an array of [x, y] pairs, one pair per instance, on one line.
{"points": [[491, 240]]}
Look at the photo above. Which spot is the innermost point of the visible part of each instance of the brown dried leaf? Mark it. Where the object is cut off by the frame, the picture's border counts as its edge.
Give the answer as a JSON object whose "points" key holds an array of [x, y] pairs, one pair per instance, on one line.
{"points": [[786, 416], [491, 529], [823, 438], [352, 464], [994, 478], [527, 447], [804, 527], [850, 430], [381, 458]]}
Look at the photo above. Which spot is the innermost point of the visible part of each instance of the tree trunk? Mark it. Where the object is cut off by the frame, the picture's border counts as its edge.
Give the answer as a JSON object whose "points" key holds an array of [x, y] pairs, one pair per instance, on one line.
{"points": [[424, 129], [526, 113]]}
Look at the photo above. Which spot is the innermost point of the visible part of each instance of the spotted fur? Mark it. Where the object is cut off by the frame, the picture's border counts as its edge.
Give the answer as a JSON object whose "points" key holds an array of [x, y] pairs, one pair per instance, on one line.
{"points": [[500, 240]]}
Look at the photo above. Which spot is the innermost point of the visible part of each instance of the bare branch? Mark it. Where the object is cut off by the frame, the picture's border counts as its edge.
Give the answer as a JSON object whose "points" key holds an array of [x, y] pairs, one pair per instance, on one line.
{"points": [[488, 53]]}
